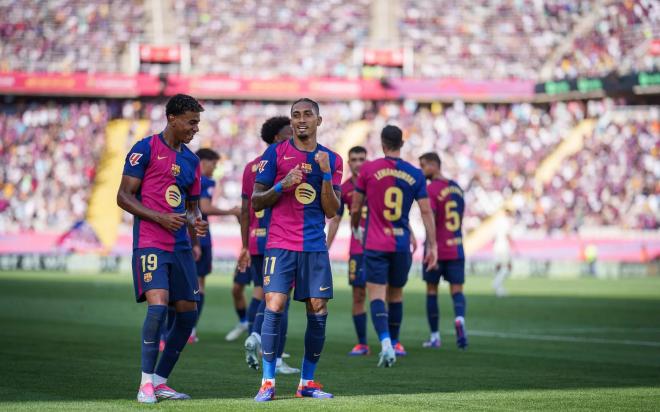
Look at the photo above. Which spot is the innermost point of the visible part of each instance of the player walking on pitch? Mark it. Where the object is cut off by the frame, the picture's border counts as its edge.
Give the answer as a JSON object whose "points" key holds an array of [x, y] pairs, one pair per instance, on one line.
{"points": [[446, 199], [299, 180], [160, 187], [390, 185]]}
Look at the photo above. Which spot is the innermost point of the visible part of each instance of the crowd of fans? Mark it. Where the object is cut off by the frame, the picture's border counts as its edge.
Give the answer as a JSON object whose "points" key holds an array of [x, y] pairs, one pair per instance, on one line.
{"points": [[49, 154], [289, 38]]}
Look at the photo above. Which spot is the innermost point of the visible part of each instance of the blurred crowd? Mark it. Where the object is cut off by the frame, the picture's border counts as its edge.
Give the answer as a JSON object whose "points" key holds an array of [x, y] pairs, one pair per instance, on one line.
{"points": [[481, 39], [49, 154], [68, 35]]}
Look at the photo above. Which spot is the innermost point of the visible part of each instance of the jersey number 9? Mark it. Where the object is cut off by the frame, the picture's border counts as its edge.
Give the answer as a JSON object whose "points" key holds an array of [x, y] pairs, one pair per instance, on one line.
{"points": [[394, 203]]}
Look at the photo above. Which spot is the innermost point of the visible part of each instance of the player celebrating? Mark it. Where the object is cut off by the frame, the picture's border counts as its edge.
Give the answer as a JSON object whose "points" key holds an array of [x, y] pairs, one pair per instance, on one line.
{"points": [[390, 185], [447, 203], [299, 180], [160, 187], [254, 230], [356, 157]]}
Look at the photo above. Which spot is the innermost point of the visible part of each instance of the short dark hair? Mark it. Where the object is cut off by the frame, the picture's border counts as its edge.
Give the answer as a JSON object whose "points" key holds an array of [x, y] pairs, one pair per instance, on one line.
{"points": [[207, 154], [181, 103], [272, 127], [392, 137], [310, 101], [431, 157], [357, 149]]}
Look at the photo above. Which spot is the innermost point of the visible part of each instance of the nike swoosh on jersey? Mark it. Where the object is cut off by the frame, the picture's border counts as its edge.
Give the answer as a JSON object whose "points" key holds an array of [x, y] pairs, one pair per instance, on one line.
{"points": [[289, 157], [323, 289], [161, 157]]}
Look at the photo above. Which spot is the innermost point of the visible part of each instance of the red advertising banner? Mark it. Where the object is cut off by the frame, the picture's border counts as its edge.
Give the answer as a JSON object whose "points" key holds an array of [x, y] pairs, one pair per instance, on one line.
{"points": [[79, 84], [384, 57], [449, 89], [160, 54]]}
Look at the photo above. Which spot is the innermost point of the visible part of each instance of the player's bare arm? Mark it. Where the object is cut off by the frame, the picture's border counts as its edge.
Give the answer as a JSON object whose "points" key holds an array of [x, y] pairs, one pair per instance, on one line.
{"points": [[356, 207], [264, 197], [208, 209], [244, 257], [194, 218], [333, 226], [413, 239], [329, 197], [431, 257], [127, 200]]}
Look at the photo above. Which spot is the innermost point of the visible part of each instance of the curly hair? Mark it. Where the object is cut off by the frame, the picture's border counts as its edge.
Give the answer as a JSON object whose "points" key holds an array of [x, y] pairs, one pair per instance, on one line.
{"points": [[272, 127]]}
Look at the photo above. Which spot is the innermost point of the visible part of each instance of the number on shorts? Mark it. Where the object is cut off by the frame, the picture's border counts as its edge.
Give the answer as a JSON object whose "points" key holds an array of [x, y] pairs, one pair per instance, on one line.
{"points": [[394, 203], [272, 260], [452, 218], [149, 262]]}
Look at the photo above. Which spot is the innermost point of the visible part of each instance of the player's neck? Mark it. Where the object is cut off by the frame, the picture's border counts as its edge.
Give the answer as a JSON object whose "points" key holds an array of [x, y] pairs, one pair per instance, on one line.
{"points": [[170, 140], [392, 153], [437, 176], [307, 145]]}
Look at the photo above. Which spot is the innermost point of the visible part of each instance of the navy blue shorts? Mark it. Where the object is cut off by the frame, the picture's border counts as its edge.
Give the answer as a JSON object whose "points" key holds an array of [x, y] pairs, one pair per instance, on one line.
{"points": [[356, 276], [205, 262], [387, 268], [254, 273], [309, 271], [158, 269], [453, 271]]}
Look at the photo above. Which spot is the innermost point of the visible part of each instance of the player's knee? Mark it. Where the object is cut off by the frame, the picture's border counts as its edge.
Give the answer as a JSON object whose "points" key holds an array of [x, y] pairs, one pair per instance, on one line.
{"points": [[237, 291], [455, 288], [359, 296], [431, 288], [394, 294], [276, 302], [317, 306], [258, 293]]}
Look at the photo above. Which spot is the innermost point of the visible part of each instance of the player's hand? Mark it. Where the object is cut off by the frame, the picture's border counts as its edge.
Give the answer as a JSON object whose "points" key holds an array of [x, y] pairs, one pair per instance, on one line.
{"points": [[358, 234], [431, 258], [244, 260], [235, 211], [197, 252], [201, 227], [323, 160], [292, 178], [413, 243], [172, 221]]}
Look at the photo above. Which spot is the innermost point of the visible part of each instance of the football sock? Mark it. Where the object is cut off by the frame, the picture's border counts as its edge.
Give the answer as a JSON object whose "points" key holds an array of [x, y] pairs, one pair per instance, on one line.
{"points": [[146, 378], [394, 318], [259, 318], [242, 315], [435, 335], [314, 339], [176, 341], [360, 322], [200, 305], [168, 322], [459, 304], [270, 334], [432, 312], [284, 328], [153, 322], [379, 319], [159, 380], [252, 313]]}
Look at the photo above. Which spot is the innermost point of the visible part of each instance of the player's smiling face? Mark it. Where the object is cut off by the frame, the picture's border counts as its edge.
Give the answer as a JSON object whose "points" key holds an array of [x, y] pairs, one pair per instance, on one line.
{"points": [[304, 120], [185, 126]]}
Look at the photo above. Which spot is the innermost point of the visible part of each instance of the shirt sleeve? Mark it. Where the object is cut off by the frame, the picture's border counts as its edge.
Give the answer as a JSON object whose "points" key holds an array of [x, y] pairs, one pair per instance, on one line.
{"points": [[196, 187], [137, 159], [267, 169], [208, 185], [245, 185], [338, 173], [420, 190]]}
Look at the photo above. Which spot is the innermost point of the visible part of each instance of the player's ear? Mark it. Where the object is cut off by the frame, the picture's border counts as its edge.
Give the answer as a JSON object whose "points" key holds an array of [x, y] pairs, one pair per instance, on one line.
{"points": [[319, 120]]}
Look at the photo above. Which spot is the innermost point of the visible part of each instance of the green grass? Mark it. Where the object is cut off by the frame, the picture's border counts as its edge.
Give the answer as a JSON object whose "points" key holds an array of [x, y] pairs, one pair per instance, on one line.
{"points": [[73, 343]]}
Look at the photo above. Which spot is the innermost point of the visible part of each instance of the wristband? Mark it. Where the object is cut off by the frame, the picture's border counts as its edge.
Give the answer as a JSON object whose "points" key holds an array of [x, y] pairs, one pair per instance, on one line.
{"points": [[327, 176], [278, 187]]}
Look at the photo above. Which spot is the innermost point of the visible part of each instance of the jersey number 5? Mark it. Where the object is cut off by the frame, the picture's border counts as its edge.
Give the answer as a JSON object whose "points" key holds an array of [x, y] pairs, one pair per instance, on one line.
{"points": [[452, 218], [394, 203]]}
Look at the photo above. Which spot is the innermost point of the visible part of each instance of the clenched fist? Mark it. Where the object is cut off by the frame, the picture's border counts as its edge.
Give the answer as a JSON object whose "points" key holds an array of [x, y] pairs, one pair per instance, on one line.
{"points": [[323, 160]]}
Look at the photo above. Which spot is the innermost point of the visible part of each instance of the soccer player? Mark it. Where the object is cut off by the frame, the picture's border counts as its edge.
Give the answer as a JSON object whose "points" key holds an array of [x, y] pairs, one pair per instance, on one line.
{"points": [[447, 203], [356, 157], [299, 180], [254, 231], [390, 185], [160, 187], [502, 250]]}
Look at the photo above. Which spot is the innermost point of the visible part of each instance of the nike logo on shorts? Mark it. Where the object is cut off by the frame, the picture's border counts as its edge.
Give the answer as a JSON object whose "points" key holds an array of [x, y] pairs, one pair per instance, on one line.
{"points": [[268, 353], [323, 289], [148, 343], [195, 292]]}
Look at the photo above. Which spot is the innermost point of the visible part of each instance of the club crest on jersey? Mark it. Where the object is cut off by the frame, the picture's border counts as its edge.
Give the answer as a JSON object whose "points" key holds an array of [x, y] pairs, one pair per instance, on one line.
{"points": [[176, 169], [262, 165], [266, 280], [147, 277], [173, 196], [134, 158], [305, 193], [306, 167], [260, 214]]}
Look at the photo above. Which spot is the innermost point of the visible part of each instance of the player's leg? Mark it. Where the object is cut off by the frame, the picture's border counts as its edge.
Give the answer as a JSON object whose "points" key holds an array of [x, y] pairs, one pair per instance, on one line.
{"points": [[252, 344], [240, 280], [376, 266], [282, 366], [150, 278], [314, 286], [398, 277], [204, 268], [432, 279], [502, 272], [357, 280], [280, 267], [455, 275], [256, 271], [167, 325]]}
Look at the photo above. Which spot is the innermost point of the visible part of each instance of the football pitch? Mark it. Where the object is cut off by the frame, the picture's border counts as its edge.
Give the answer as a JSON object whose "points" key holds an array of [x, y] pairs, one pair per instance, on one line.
{"points": [[72, 342]]}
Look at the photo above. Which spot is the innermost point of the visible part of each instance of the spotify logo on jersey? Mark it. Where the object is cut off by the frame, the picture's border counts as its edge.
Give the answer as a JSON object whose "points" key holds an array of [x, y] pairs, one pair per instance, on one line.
{"points": [[305, 193], [173, 196]]}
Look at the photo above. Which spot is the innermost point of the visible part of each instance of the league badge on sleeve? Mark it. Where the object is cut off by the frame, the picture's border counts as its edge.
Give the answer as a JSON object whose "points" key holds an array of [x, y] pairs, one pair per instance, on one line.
{"points": [[134, 158]]}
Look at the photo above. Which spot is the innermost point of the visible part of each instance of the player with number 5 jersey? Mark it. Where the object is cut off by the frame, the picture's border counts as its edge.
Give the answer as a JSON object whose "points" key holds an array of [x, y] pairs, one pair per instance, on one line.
{"points": [[390, 186]]}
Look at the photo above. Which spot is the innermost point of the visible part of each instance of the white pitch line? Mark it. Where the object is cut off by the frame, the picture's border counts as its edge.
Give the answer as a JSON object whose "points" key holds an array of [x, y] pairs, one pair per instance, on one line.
{"points": [[555, 338]]}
